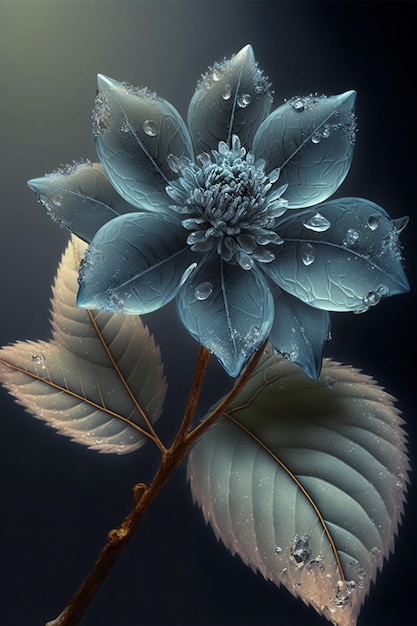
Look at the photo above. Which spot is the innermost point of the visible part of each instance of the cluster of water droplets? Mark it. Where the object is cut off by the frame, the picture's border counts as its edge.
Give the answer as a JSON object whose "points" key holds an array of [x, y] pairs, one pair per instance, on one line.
{"points": [[216, 75], [53, 202], [229, 204], [339, 121]]}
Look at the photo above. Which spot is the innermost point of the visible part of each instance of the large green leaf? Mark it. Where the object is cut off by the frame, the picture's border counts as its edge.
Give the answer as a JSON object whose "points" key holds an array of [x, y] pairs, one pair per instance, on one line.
{"points": [[305, 480], [99, 380]]}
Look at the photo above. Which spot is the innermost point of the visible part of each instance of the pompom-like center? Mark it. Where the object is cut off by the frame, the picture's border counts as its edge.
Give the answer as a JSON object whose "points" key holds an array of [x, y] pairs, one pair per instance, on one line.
{"points": [[229, 202]]}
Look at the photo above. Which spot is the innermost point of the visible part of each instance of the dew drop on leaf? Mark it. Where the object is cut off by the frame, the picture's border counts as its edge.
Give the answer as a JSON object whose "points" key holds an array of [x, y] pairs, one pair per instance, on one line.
{"points": [[150, 127], [38, 359]]}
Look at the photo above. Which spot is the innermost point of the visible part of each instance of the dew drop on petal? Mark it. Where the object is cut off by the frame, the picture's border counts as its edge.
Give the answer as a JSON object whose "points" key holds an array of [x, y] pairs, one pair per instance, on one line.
{"points": [[57, 200], [38, 359], [297, 104], [307, 254], [227, 92], [351, 237], [203, 291], [316, 137], [318, 223], [371, 298], [278, 550], [374, 221], [244, 100], [382, 290], [150, 127]]}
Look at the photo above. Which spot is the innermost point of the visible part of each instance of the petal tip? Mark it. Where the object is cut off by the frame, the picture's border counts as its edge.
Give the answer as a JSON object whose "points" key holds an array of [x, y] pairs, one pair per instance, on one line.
{"points": [[105, 82], [246, 54]]}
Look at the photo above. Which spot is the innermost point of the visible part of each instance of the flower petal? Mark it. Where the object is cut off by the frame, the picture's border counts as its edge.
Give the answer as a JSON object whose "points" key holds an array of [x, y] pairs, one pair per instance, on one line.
{"points": [[227, 309], [135, 264], [349, 265], [300, 332], [80, 197], [135, 133], [232, 99], [311, 140]]}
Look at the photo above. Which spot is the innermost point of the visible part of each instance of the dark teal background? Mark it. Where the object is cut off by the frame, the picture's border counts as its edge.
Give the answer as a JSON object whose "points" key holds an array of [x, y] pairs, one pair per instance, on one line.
{"points": [[58, 500]]}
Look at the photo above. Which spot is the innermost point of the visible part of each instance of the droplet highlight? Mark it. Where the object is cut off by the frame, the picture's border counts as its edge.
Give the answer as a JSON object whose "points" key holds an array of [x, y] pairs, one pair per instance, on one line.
{"points": [[308, 255], [318, 223], [244, 100], [203, 291], [150, 128]]}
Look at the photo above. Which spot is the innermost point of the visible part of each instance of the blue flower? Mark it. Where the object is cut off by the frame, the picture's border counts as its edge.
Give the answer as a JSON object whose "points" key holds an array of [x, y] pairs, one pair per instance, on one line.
{"points": [[229, 215]]}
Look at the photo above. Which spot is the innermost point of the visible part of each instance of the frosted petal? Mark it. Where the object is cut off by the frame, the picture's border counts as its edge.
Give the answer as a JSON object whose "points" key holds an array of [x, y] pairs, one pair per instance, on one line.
{"points": [[134, 264], [300, 332], [135, 133], [80, 197], [228, 310], [311, 140], [348, 267], [232, 99]]}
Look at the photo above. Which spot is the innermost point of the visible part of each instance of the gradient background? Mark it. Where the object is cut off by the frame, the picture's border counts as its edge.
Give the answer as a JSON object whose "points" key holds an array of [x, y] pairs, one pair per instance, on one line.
{"points": [[58, 500]]}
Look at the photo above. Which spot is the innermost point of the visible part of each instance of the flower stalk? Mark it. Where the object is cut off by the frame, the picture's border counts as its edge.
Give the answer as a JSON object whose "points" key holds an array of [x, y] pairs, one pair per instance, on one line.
{"points": [[118, 538]]}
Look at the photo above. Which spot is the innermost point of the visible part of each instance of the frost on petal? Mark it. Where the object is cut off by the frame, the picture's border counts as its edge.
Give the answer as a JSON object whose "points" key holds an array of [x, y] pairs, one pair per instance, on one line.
{"points": [[135, 133], [134, 265], [231, 99], [228, 310], [300, 332], [311, 140], [79, 197], [349, 266]]}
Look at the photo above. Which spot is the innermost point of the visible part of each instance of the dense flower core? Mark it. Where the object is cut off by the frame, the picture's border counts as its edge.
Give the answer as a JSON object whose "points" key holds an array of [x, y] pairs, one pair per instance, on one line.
{"points": [[230, 204]]}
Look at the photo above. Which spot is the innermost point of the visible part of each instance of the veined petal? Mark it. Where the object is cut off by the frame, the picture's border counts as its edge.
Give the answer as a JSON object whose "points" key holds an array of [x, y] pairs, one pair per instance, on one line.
{"points": [[227, 309], [80, 197], [232, 99], [135, 264], [300, 332], [343, 255], [136, 131], [311, 140]]}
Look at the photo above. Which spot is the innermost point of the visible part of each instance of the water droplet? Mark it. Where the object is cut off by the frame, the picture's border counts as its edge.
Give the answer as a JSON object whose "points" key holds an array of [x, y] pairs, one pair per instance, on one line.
{"points": [[316, 137], [374, 552], [284, 572], [382, 291], [227, 92], [203, 291], [216, 75], [330, 382], [308, 255], [374, 221], [297, 104], [101, 115], [299, 549], [351, 237], [150, 127], [371, 298], [38, 359], [316, 562], [318, 223], [57, 200], [244, 100], [278, 550]]}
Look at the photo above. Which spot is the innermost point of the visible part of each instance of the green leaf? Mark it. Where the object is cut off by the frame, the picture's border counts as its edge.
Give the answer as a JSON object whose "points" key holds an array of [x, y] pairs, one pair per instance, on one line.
{"points": [[305, 480], [99, 380]]}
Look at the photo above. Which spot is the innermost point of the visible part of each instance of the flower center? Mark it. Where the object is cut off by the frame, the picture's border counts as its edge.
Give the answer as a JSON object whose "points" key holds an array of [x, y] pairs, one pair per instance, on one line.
{"points": [[228, 203]]}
